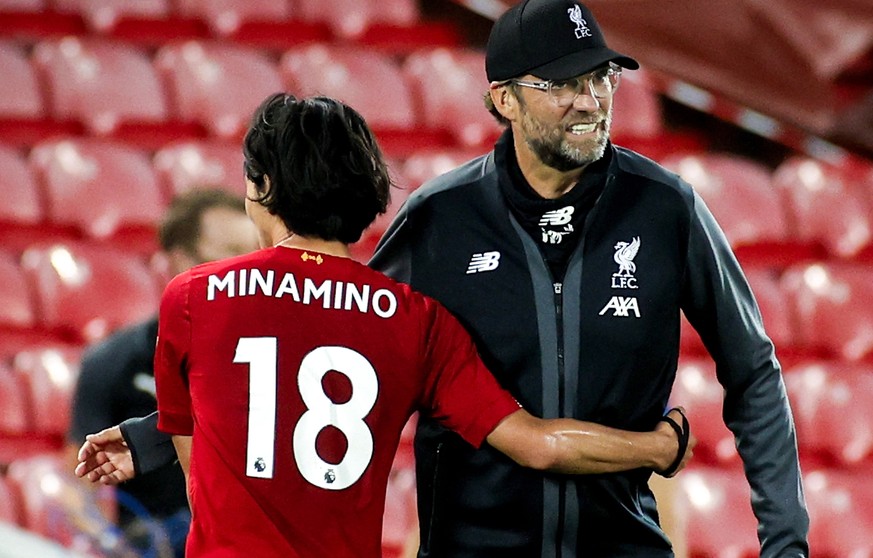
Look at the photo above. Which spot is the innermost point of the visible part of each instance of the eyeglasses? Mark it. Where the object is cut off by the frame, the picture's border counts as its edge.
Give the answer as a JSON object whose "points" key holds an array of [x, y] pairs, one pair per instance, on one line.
{"points": [[601, 84]]}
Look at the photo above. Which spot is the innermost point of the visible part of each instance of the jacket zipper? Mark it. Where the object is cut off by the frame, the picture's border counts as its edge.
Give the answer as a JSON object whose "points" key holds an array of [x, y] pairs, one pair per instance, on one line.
{"points": [[559, 317], [433, 502]]}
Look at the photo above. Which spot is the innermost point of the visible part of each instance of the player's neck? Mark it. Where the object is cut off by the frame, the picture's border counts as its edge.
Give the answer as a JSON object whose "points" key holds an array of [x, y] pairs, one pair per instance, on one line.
{"points": [[331, 247]]}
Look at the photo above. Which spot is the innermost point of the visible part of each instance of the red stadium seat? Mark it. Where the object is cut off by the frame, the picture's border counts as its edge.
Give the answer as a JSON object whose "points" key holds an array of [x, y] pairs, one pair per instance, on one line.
{"points": [[16, 308], [32, 20], [638, 109], [217, 85], [103, 189], [698, 391], [15, 420], [187, 165], [49, 375], [840, 507], [105, 85], [740, 195], [832, 403], [351, 18], [832, 311], [827, 208], [20, 219], [718, 516], [449, 84], [365, 79], [58, 506], [8, 504], [103, 15], [23, 116], [226, 16], [427, 164], [87, 291]]}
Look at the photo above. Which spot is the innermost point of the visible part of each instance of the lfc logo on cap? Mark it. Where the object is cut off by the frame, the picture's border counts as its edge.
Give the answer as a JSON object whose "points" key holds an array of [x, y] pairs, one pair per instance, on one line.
{"points": [[581, 25]]}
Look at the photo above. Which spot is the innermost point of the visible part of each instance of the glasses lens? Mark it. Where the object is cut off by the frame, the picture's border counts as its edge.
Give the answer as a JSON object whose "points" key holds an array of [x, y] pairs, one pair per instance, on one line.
{"points": [[602, 84]]}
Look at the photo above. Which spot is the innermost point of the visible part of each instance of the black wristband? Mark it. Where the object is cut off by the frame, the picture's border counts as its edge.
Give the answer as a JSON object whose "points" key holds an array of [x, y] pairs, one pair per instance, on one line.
{"points": [[682, 433]]}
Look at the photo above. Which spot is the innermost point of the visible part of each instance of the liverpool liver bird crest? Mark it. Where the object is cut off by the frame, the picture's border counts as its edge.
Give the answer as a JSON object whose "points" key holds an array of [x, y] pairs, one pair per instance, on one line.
{"points": [[624, 257]]}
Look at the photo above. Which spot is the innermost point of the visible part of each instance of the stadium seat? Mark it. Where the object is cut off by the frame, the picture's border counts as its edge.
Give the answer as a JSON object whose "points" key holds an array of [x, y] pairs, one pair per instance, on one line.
{"points": [[840, 507], [832, 403], [351, 18], [105, 190], [21, 217], [830, 302], [30, 20], [58, 506], [23, 116], [423, 165], [86, 291], [827, 209], [739, 193], [225, 17], [217, 85], [718, 517], [106, 85], [187, 165], [638, 109], [448, 85], [103, 15], [15, 420], [16, 308], [49, 375], [698, 391], [366, 80], [8, 504]]}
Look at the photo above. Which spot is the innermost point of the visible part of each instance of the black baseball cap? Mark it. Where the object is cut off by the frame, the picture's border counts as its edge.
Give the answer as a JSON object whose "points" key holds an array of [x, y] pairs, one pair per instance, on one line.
{"points": [[551, 39]]}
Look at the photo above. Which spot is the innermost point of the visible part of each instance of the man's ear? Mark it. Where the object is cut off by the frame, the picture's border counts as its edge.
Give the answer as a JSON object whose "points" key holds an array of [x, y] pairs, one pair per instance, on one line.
{"points": [[505, 102]]}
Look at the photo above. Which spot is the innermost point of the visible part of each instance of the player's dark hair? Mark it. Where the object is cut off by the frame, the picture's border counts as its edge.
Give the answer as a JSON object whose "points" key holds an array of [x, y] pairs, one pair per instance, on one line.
{"points": [[327, 176], [180, 226]]}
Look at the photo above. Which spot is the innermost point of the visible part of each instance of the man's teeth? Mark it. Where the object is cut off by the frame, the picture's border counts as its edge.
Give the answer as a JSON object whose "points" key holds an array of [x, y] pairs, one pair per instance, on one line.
{"points": [[583, 128]]}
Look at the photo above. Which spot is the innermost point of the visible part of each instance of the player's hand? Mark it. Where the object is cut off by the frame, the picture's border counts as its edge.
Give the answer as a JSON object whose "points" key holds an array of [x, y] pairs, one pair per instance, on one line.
{"points": [[678, 428], [105, 458]]}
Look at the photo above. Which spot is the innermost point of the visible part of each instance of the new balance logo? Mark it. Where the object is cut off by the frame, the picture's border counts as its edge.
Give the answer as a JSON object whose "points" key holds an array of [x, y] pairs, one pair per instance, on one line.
{"points": [[485, 261], [622, 306], [557, 217]]}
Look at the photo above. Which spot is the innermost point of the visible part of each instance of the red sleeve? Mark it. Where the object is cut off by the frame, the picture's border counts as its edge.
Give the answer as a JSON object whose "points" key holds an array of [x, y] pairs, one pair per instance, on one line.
{"points": [[171, 357], [461, 393]]}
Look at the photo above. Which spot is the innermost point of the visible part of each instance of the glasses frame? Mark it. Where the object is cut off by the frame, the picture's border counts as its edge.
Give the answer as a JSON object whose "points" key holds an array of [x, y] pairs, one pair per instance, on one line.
{"points": [[546, 86]]}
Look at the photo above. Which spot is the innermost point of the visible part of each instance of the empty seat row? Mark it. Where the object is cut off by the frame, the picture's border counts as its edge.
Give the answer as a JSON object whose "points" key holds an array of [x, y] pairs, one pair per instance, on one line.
{"points": [[832, 402], [152, 20], [197, 88]]}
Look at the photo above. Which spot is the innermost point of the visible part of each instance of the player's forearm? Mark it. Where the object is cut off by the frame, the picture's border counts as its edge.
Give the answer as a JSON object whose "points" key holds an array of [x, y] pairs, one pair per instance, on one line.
{"points": [[575, 447]]}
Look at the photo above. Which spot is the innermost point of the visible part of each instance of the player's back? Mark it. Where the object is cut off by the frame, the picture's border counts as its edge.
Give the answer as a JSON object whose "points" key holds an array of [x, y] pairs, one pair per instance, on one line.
{"points": [[302, 370]]}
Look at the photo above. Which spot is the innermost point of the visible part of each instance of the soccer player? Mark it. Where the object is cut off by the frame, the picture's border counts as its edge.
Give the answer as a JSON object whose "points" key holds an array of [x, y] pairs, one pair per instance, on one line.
{"points": [[285, 376]]}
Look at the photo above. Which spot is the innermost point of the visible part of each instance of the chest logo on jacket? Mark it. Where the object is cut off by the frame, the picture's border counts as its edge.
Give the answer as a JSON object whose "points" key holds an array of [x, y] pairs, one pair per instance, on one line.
{"points": [[484, 261], [556, 224], [625, 252]]}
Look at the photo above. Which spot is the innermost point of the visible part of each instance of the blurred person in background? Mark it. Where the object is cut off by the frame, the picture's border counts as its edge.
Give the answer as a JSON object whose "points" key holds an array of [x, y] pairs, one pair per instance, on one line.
{"points": [[570, 261], [117, 381]]}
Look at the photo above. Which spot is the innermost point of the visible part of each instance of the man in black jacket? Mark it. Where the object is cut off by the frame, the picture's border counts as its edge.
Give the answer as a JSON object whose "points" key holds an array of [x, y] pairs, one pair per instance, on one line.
{"points": [[569, 259]]}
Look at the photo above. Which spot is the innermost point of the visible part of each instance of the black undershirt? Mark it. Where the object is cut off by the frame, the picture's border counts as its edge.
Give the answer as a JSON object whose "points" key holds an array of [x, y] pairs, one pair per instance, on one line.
{"points": [[554, 227]]}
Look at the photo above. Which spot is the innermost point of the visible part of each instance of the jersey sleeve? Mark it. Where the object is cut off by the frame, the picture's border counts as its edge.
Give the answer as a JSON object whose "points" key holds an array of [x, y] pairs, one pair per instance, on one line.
{"points": [[171, 355], [460, 393]]}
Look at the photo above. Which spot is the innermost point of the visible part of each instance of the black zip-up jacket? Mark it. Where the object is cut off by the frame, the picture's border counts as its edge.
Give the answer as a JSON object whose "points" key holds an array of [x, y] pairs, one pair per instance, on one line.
{"points": [[600, 344]]}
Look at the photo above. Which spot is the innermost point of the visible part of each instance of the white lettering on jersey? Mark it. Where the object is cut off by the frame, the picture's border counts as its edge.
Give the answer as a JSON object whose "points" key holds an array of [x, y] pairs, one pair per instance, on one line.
{"points": [[329, 294], [622, 306], [484, 261]]}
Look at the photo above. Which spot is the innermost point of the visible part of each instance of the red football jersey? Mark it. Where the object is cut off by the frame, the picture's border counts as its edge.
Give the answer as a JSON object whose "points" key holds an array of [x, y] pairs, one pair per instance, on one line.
{"points": [[295, 372]]}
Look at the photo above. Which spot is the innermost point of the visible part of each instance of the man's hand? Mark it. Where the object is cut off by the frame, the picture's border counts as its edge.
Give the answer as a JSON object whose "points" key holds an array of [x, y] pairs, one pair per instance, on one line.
{"points": [[105, 458], [672, 430]]}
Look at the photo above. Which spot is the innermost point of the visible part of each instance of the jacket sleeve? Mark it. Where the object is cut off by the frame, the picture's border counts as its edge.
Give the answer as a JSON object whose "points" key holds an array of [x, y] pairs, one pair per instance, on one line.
{"points": [[150, 448], [719, 304]]}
